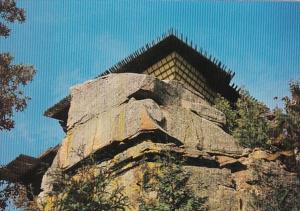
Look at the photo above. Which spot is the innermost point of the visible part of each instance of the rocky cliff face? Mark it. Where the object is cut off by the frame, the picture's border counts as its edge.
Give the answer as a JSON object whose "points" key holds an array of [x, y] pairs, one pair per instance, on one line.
{"points": [[127, 117]]}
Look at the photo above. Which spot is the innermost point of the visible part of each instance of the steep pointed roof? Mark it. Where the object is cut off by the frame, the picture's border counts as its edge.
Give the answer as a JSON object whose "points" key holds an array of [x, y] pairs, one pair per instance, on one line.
{"points": [[217, 75]]}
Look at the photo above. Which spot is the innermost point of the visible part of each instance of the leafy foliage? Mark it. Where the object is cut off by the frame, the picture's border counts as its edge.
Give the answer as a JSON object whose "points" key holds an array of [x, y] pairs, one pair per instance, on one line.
{"points": [[12, 77], [13, 194], [254, 125], [273, 193], [17, 195], [168, 181], [89, 188], [247, 121], [231, 114], [285, 127], [12, 97], [9, 13]]}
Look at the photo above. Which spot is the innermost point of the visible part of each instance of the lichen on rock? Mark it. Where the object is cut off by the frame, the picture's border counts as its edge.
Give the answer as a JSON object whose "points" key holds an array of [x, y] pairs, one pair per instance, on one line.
{"points": [[128, 118]]}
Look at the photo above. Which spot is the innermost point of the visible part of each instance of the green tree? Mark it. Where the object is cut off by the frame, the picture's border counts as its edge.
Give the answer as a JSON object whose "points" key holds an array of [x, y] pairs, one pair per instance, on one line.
{"points": [[230, 113], [169, 181], [252, 125], [273, 194], [89, 188], [246, 120], [12, 77], [285, 125]]}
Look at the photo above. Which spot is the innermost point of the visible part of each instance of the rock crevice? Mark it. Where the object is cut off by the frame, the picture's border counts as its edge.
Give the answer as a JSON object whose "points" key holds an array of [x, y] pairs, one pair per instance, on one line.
{"points": [[126, 119]]}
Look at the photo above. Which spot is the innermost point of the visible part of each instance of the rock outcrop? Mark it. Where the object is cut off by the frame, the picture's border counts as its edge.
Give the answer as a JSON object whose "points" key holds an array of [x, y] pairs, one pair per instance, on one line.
{"points": [[126, 117]]}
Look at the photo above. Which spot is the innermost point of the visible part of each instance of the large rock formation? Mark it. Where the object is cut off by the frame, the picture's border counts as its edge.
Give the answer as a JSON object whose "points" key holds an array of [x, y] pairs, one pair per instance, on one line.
{"points": [[127, 117]]}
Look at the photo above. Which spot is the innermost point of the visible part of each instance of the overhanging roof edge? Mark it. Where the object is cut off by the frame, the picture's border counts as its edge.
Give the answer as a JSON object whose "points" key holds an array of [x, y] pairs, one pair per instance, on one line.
{"points": [[172, 35]]}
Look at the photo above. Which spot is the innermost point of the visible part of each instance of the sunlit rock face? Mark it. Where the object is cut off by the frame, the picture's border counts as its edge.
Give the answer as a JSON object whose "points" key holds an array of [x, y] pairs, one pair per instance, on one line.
{"points": [[126, 117]]}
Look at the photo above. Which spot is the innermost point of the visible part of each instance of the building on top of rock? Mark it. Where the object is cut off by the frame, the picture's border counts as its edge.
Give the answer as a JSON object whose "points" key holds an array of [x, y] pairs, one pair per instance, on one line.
{"points": [[127, 119], [170, 57]]}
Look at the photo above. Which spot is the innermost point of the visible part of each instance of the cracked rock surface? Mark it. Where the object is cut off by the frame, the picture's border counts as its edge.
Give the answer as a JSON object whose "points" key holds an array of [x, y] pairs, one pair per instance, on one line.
{"points": [[126, 117]]}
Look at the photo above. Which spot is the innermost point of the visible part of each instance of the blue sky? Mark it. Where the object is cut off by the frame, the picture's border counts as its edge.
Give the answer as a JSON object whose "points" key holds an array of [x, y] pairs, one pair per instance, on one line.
{"points": [[72, 41]]}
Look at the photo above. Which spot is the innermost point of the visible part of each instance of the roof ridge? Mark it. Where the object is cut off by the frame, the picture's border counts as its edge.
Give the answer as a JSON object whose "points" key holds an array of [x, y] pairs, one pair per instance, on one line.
{"points": [[179, 36], [221, 70]]}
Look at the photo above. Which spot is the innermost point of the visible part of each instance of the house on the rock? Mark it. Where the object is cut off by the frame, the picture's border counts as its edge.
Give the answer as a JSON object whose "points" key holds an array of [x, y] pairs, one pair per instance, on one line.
{"points": [[170, 57], [125, 120]]}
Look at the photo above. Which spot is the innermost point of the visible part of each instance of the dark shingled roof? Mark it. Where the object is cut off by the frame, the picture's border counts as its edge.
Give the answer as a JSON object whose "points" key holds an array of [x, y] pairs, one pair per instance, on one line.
{"points": [[213, 70], [58, 110], [18, 167], [26, 168]]}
